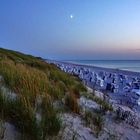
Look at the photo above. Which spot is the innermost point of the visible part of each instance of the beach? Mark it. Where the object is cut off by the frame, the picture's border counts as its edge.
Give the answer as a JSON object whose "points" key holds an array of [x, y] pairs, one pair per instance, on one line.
{"points": [[126, 65], [72, 101], [123, 87], [119, 88], [97, 68]]}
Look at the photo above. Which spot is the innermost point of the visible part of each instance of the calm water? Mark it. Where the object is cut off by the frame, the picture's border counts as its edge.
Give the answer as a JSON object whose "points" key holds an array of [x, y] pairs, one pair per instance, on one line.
{"points": [[131, 65]]}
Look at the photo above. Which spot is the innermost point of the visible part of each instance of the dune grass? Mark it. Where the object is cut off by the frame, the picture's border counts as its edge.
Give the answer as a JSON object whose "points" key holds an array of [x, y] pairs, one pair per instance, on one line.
{"points": [[21, 114], [104, 105], [94, 119], [29, 78], [50, 123], [71, 103]]}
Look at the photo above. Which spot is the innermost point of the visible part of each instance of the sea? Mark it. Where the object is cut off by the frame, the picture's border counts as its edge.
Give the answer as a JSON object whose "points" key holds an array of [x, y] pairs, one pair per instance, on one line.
{"points": [[129, 65]]}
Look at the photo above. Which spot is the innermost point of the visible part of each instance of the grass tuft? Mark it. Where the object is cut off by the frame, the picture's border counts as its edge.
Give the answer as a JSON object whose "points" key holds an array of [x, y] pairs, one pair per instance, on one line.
{"points": [[94, 119], [105, 106], [71, 103]]}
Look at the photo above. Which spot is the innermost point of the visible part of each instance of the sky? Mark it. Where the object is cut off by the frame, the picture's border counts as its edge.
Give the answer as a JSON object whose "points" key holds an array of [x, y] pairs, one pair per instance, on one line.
{"points": [[72, 29]]}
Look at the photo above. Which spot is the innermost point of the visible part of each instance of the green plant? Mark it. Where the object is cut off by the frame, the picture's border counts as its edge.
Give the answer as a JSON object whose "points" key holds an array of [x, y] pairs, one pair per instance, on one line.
{"points": [[20, 113], [30, 77], [94, 118], [51, 123]]}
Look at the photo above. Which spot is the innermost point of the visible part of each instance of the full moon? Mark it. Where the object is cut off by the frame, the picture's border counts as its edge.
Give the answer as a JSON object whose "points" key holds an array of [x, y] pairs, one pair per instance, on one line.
{"points": [[71, 16]]}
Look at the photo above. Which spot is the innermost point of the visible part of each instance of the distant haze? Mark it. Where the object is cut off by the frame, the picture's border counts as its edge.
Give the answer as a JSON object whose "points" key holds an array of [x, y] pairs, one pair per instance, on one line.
{"points": [[72, 29]]}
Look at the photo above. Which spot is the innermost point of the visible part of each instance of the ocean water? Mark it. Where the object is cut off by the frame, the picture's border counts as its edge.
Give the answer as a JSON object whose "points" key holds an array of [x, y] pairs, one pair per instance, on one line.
{"points": [[130, 65]]}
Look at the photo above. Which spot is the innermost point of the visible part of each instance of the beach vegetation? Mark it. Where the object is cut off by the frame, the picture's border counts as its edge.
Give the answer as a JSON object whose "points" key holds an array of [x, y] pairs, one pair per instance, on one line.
{"points": [[94, 120], [30, 79], [104, 105], [71, 103]]}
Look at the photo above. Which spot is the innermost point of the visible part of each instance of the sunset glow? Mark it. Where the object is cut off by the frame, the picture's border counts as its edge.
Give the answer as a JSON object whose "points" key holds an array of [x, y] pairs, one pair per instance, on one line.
{"points": [[101, 29]]}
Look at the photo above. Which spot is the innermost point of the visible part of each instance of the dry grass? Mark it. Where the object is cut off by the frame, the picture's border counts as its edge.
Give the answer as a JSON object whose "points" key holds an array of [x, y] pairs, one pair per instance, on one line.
{"points": [[30, 78], [24, 80], [71, 103]]}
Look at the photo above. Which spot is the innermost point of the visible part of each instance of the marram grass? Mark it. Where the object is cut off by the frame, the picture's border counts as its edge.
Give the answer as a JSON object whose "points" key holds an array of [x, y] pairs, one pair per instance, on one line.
{"points": [[30, 78]]}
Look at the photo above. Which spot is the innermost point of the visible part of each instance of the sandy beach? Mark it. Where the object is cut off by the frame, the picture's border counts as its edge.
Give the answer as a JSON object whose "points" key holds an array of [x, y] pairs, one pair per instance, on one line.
{"points": [[95, 68], [122, 86]]}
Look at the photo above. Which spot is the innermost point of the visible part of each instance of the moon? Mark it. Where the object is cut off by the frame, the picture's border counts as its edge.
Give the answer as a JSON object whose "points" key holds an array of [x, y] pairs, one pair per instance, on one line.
{"points": [[71, 16]]}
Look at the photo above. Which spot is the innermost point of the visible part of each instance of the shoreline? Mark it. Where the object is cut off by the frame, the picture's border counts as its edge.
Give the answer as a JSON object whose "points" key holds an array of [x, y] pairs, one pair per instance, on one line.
{"points": [[119, 88], [96, 68], [123, 87]]}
